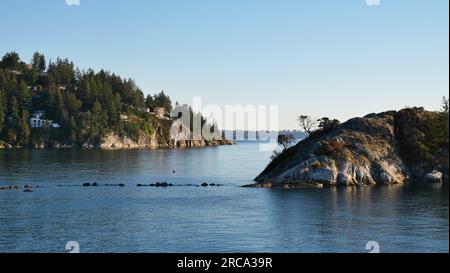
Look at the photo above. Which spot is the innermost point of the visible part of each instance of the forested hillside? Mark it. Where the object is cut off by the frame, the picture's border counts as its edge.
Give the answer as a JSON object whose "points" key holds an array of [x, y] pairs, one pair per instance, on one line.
{"points": [[83, 105]]}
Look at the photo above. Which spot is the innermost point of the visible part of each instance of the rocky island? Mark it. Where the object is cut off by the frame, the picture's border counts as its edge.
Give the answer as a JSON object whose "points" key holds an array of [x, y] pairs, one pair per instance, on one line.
{"points": [[386, 148]]}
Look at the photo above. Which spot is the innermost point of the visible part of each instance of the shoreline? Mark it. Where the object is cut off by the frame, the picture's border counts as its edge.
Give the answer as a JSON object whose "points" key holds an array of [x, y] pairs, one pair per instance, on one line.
{"points": [[99, 148], [315, 185]]}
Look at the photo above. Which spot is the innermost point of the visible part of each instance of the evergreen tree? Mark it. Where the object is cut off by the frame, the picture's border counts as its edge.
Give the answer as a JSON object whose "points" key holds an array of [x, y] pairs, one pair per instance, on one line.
{"points": [[13, 122], [38, 62], [161, 100], [23, 135], [150, 103], [10, 61], [2, 111]]}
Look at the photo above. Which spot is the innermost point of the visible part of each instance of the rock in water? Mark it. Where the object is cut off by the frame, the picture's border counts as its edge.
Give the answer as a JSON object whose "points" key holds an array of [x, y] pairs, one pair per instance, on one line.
{"points": [[434, 177]]}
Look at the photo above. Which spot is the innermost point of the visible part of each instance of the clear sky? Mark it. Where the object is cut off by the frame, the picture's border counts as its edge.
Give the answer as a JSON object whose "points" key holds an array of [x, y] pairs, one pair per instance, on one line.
{"points": [[319, 57]]}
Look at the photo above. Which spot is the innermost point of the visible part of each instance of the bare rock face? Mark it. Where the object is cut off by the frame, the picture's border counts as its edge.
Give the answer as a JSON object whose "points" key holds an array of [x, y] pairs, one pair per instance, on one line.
{"points": [[115, 142], [362, 151]]}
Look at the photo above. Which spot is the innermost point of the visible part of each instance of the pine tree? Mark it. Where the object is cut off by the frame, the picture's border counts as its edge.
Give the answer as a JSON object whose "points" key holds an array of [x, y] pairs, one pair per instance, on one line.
{"points": [[24, 129], [10, 61], [38, 62]]}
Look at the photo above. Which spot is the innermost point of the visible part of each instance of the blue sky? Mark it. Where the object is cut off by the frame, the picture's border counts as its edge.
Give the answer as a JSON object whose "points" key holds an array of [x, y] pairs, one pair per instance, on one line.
{"points": [[319, 57]]}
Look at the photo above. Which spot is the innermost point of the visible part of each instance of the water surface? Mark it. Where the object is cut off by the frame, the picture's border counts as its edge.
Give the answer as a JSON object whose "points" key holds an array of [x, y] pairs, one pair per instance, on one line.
{"points": [[198, 219]]}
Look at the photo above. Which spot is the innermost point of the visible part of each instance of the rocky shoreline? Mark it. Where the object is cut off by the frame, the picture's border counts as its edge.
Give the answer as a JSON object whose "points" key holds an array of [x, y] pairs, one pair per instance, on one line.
{"points": [[116, 142]]}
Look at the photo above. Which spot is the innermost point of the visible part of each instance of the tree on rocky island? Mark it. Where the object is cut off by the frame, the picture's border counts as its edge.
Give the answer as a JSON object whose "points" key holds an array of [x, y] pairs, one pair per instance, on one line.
{"points": [[317, 128], [326, 124], [285, 141], [307, 123]]}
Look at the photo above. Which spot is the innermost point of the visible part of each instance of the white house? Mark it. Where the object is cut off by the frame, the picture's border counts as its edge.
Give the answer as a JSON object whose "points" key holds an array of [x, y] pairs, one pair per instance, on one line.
{"points": [[36, 121]]}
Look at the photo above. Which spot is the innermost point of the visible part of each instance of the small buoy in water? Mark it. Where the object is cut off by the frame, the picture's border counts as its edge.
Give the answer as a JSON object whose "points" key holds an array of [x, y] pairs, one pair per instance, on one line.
{"points": [[174, 171]]}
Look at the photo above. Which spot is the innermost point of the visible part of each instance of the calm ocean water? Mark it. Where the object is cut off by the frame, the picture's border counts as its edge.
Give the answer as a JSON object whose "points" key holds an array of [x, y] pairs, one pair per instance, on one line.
{"points": [[198, 219]]}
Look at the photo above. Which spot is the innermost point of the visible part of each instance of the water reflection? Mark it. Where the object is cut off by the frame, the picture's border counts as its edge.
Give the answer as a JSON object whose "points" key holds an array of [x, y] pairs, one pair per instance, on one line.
{"points": [[400, 217]]}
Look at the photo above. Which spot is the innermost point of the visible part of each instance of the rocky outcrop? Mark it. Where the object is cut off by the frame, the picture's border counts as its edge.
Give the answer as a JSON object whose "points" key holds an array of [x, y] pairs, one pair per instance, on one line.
{"points": [[116, 142], [371, 150], [4, 145]]}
